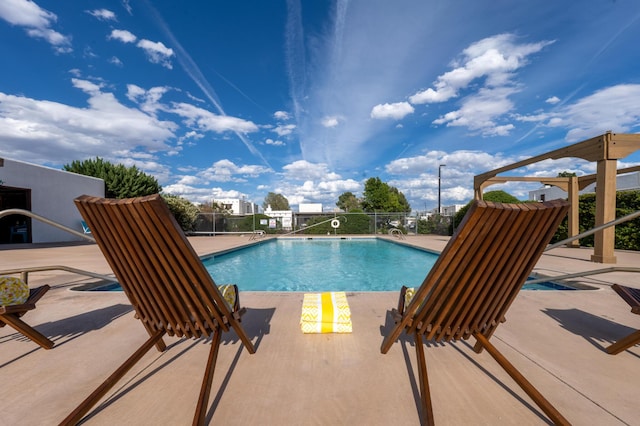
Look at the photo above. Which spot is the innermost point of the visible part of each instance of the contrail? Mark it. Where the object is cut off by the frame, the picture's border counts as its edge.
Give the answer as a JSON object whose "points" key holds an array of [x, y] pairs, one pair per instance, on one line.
{"points": [[192, 69], [295, 57]]}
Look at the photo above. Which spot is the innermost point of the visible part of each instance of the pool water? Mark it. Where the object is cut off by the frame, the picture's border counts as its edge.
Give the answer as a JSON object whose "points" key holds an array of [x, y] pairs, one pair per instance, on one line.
{"points": [[546, 285], [325, 264]]}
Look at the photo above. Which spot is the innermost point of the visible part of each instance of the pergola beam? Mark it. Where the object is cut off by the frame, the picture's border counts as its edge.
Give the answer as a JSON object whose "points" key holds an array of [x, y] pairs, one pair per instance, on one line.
{"points": [[605, 150]]}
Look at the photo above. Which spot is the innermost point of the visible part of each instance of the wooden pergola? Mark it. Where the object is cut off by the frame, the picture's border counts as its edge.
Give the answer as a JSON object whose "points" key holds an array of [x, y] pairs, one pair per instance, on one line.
{"points": [[605, 150]]}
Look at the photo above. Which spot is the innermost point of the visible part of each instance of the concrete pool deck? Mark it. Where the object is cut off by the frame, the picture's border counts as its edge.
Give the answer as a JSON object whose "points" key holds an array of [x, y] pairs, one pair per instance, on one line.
{"points": [[555, 338]]}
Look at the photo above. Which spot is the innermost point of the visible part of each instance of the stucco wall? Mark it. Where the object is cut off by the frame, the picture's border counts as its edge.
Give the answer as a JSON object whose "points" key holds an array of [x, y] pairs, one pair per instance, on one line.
{"points": [[52, 194]]}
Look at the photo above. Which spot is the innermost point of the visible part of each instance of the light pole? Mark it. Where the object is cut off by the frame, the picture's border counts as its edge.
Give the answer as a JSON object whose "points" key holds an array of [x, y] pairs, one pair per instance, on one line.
{"points": [[439, 179]]}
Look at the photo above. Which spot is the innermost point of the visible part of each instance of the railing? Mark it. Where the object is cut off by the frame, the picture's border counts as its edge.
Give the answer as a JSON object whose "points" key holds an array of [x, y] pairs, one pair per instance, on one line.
{"points": [[47, 221], [396, 233], [320, 223], [594, 230], [256, 235], [585, 274], [24, 272]]}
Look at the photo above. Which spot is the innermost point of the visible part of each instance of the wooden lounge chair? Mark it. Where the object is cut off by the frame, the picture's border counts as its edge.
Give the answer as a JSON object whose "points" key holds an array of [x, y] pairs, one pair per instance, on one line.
{"points": [[167, 284], [474, 281], [11, 315], [632, 297]]}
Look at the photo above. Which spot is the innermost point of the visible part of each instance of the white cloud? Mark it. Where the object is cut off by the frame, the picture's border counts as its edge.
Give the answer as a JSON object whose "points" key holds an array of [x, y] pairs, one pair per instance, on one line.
{"points": [[282, 115], [551, 168], [149, 100], [285, 130], [102, 14], [417, 177], [201, 195], [157, 52], [479, 112], [532, 118], [464, 160], [53, 133], [494, 58], [208, 121], [553, 100], [318, 190], [330, 121], [228, 171], [613, 108], [36, 21], [123, 36], [274, 143], [395, 111], [304, 170]]}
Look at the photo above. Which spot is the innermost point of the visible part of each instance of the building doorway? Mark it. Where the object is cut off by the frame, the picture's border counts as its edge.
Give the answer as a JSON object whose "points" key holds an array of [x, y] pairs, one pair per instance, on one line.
{"points": [[15, 229]]}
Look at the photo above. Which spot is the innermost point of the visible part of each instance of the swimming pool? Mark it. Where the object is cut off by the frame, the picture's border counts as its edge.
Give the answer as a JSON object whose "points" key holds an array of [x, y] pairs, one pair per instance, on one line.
{"points": [[322, 264], [325, 264]]}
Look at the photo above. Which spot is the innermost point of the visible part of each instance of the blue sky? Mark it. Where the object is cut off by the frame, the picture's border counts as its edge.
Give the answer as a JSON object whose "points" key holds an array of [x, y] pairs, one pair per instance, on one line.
{"points": [[309, 99]]}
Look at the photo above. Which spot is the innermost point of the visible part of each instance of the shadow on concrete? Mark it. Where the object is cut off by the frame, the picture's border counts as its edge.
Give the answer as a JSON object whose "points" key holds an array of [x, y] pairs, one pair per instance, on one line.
{"points": [[593, 328]]}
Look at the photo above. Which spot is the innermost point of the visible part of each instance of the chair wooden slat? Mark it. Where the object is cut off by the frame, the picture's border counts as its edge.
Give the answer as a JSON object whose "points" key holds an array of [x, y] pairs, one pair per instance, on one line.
{"points": [[474, 281], [196, 298], [163, 278], [632, 297]]}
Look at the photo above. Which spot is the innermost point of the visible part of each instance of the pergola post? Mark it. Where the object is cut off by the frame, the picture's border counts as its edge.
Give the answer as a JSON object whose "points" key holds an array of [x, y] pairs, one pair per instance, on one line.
{"points": [[605, 149], [573, 226], [604, 241]]}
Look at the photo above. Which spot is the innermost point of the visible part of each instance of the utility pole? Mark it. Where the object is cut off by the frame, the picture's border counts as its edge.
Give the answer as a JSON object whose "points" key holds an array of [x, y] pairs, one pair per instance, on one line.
{"points": [[439, 180]]}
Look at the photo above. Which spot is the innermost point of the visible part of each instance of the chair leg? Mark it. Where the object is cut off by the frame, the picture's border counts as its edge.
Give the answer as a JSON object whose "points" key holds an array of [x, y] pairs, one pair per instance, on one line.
{"points": [[235, 324], [624, 343], [205, 390], [25, 329], [425, 395], [92, 399], [526, 386]]}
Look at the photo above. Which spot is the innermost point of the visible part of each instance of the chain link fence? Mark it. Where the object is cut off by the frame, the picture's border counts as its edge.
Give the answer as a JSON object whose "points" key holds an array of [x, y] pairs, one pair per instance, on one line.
{"points": [[323, 224]]}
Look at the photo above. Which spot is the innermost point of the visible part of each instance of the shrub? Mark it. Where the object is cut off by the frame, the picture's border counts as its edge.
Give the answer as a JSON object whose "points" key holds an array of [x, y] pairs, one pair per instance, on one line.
{"points": [[183, 210]]}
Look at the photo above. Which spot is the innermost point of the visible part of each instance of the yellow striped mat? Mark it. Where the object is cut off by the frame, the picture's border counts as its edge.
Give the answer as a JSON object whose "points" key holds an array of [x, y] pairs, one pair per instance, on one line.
{"points": [[325, 313]]}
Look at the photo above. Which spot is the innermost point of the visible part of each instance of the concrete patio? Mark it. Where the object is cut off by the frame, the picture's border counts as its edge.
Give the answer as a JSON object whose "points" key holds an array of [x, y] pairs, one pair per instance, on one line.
{"points": [[555, 338]]}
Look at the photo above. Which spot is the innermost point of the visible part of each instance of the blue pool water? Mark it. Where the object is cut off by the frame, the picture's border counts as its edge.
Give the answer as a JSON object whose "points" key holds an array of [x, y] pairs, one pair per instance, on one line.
{"points": [[331, 264], [322, 265], [546, 285]]}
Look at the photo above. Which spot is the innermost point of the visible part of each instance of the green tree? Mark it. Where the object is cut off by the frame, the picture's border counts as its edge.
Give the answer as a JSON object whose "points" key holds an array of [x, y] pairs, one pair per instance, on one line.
{"points": [[399, 200], [120, 181], [567, 174], [183, 210], [348, 202], [435, 224], [495, 196], [276, 201], [379, 196]]}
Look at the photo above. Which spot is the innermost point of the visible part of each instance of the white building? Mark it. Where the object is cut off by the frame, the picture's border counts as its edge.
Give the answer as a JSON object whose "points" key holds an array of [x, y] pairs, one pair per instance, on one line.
{"points": [[44, 191], [310, 207], [451, 210], [238, 206], [285, 217], [627, 182]]}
